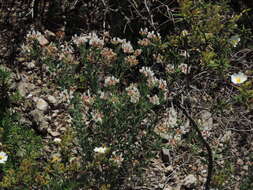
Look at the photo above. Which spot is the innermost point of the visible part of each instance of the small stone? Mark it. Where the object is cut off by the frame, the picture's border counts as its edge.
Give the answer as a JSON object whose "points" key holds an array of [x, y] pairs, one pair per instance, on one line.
{"points": [[207, 120], [63, 129], [37, 116], [165, 154], [47, 148], [24, 88], [246, 167], [50, 35], [190, 180], [57, 140], [53, 133], [41, 104], [52, 99], [43, 125], [31, 65], [240, 162], [40, 120], [169, 168]]}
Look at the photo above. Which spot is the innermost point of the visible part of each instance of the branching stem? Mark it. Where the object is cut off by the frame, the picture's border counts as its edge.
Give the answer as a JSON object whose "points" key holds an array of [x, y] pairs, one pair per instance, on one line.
{"points": [[207, 146]]}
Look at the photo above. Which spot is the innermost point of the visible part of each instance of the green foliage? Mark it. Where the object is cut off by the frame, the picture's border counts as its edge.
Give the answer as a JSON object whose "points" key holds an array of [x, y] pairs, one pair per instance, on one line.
{"points": [[4, 85]]}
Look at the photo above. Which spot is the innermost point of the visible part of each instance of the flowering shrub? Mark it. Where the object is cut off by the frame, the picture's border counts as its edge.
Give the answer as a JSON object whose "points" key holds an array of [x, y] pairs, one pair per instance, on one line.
{"points": [[119, 96]]}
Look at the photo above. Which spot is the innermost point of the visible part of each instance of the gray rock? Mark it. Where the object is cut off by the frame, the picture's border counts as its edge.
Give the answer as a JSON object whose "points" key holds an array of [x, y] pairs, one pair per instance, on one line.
{"points": [[40, 104], [50, 35], [38, 116], [165, 155], [24, 88], [40, 120], [51, 99], [54, 133], [206, 120], [31, 65]]}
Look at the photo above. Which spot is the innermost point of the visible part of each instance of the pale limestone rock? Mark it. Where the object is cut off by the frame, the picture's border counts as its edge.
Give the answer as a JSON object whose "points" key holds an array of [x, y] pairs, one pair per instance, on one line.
{"points": [[40, 104], [190, 180], [52, 99]]}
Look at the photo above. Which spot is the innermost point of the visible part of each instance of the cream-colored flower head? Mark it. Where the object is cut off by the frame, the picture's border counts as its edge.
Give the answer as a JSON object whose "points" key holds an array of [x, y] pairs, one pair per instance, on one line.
{"points": [[100, 150], [238, 78], [3, 157]]}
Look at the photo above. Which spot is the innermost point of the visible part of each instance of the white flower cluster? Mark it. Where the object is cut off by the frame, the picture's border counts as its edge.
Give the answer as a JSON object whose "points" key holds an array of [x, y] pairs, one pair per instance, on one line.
{"points": [[97, 117], [87, 98], [117, 40], [154, 99], [170, 68], [92, 38], [150, 35], [36, 35], [184, 68], [133, 92], [147, 72], [66, 54], [3, 157], [100, 150], [95, 41], [162, 84], [117, 158], [143, 31], [127, 47], [79, 40], [111, 80], [152, 80], [33, 34]]}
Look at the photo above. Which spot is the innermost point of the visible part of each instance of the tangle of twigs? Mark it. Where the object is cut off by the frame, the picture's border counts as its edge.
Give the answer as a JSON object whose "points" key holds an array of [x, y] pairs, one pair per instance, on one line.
{"points": [[204, 142]]}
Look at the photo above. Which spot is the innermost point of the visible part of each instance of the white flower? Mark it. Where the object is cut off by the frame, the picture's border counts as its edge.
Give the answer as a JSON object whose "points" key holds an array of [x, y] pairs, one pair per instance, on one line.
{"points": [[184, 68], [152, 81], [117, 158], [111, 81], [116, 41], [151, 35], [147, 72], [143, 31], [134, 93], [234, 40], [189, 180], [127, 47], [97, 117], [3, 157], [238, 78], [154, 99], [162, 84], [184, 33], [170, 68], [95, 41], [100, 150], [79, 40]]}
